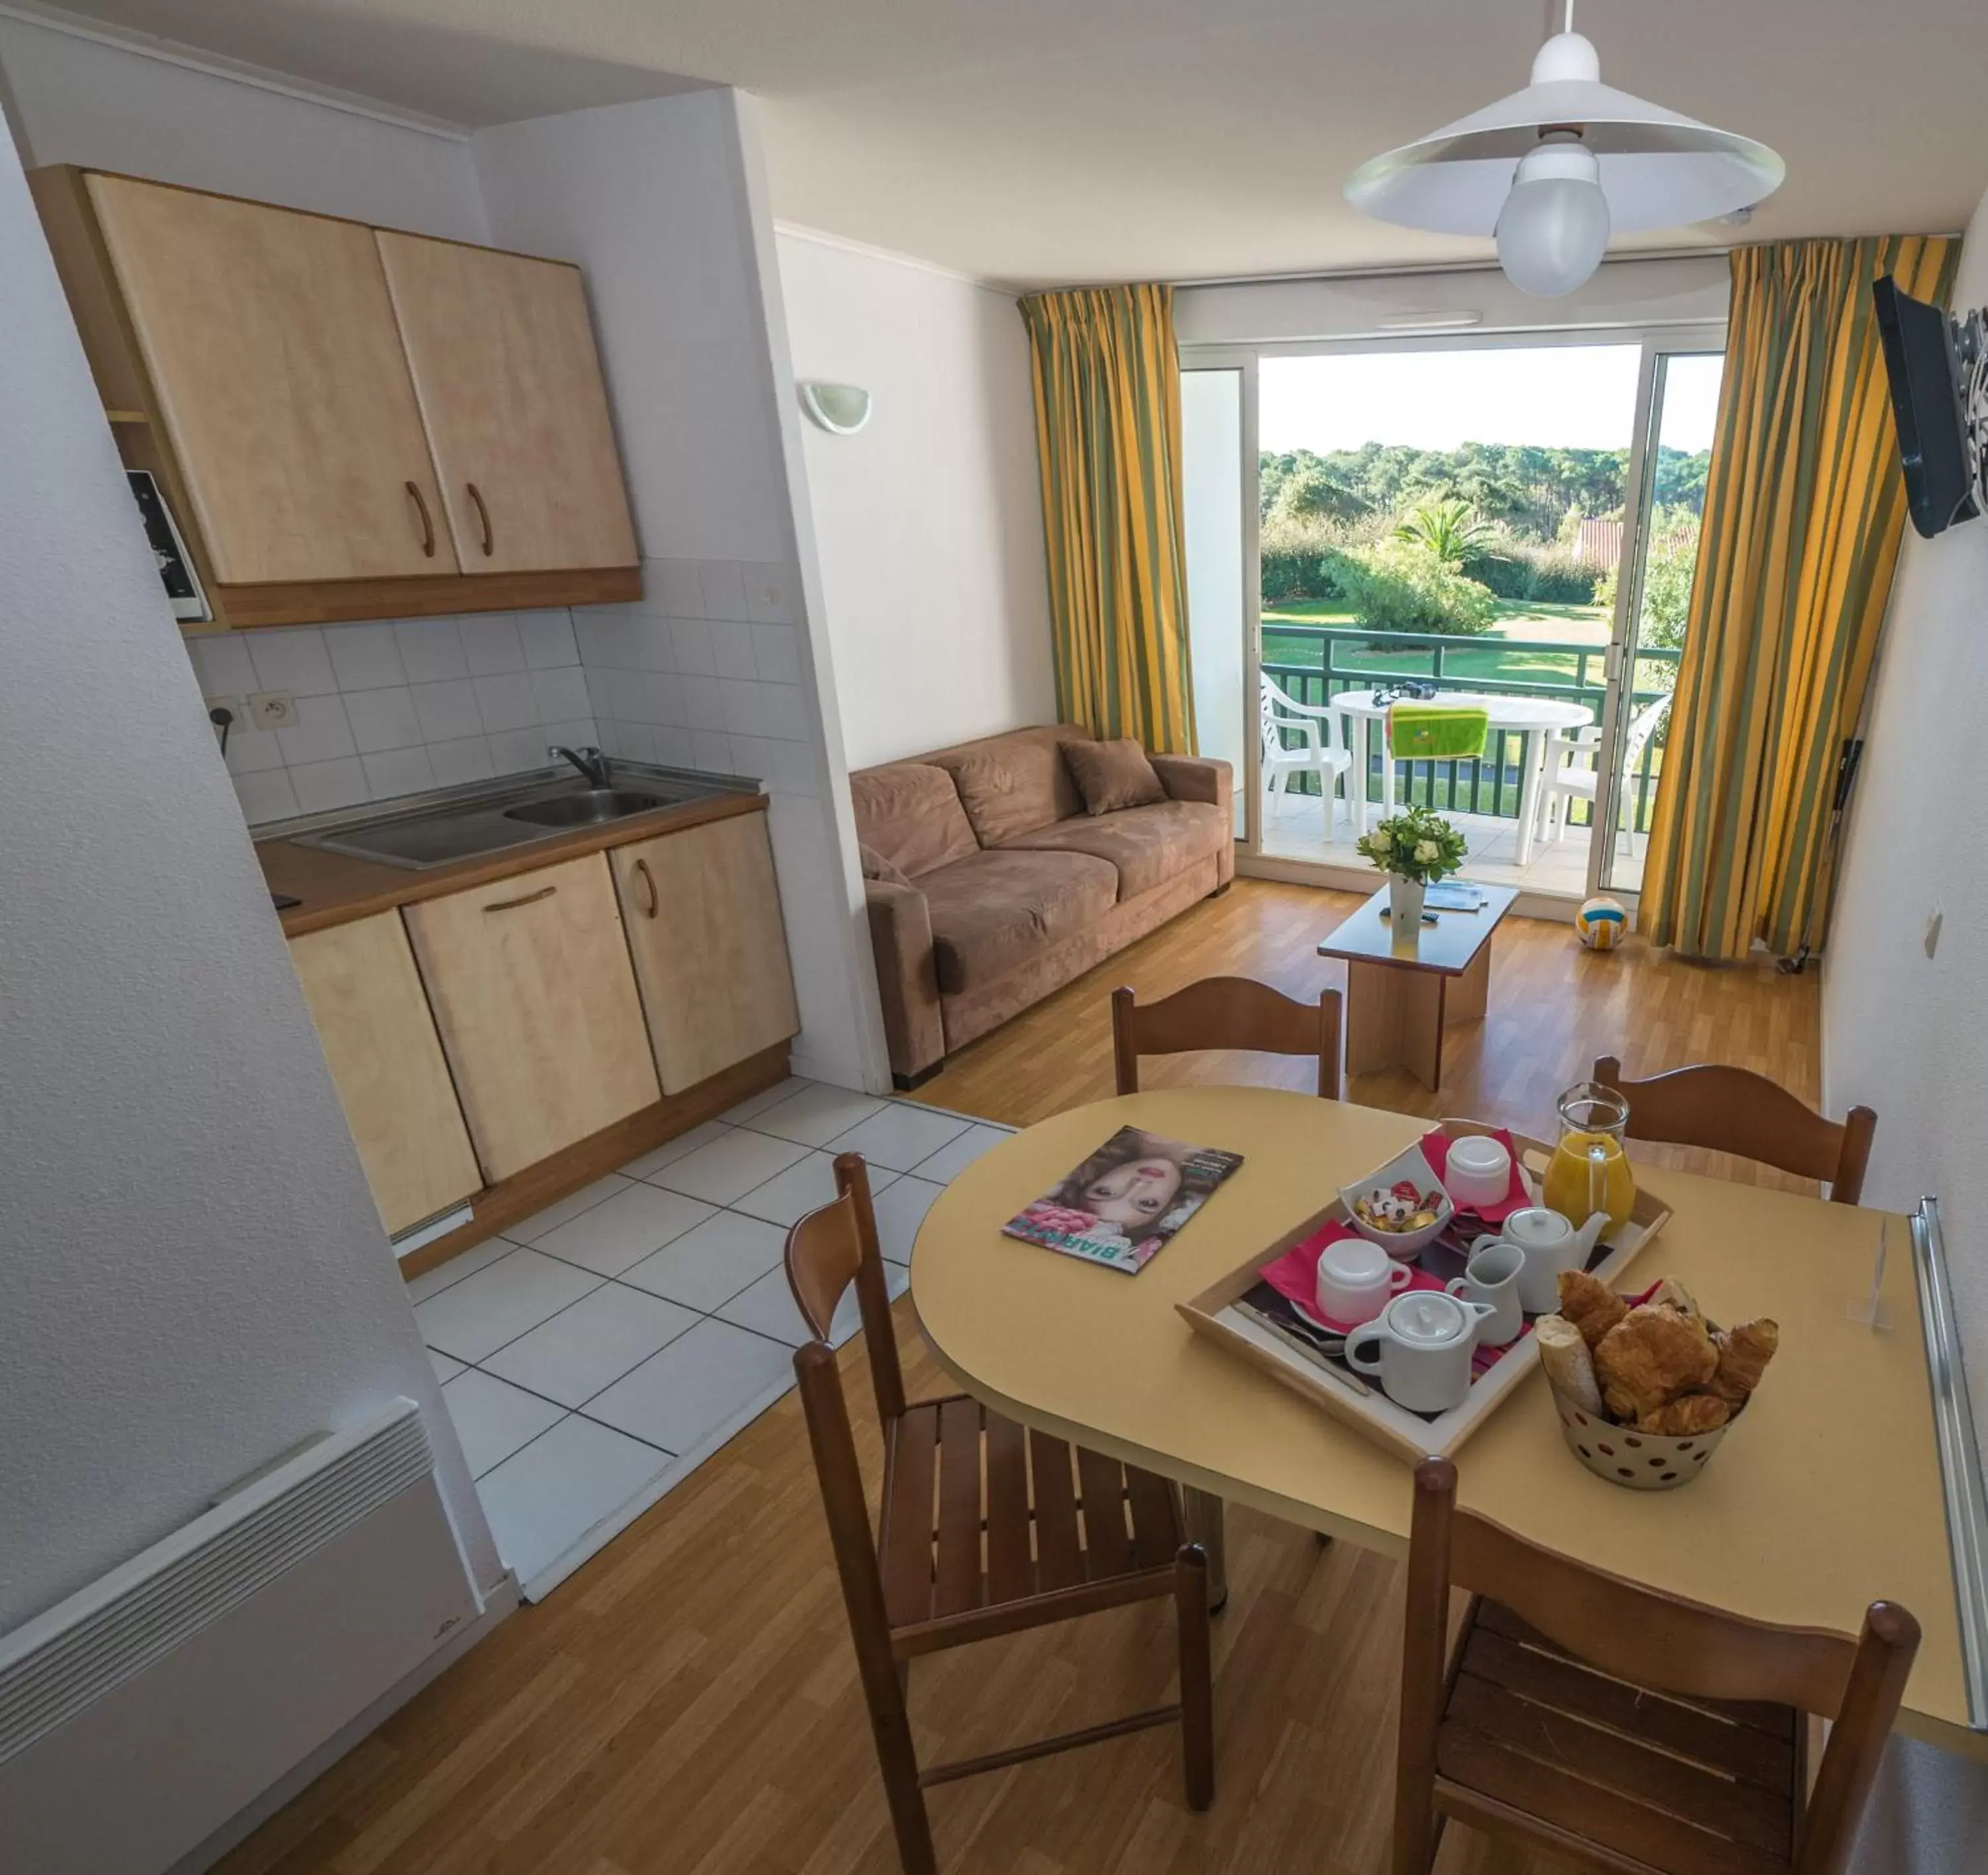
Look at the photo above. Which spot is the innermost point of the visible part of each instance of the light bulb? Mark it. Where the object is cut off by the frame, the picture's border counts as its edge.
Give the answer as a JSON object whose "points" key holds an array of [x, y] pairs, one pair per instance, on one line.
{"points": [[1553, 228]]}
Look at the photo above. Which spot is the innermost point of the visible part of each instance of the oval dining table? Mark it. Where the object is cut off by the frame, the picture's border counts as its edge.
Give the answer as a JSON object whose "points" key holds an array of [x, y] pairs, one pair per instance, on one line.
{"points": [[1826, 1497]]}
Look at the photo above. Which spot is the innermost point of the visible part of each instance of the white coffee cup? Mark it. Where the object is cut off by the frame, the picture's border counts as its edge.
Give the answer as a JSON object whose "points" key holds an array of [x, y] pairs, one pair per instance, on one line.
{"points": [[1479, 1171], [1420, 1349], [1355, 1280], [1492, 1277]]}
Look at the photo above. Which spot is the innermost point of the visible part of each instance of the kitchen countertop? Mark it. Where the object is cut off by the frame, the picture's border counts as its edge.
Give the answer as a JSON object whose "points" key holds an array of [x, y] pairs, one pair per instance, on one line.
{"points": [[335, 888]]}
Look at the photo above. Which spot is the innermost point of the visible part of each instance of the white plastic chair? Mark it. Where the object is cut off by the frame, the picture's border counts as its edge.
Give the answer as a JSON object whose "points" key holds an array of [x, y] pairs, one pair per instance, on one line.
{"points": [[1571, 779], [1324, 754]]}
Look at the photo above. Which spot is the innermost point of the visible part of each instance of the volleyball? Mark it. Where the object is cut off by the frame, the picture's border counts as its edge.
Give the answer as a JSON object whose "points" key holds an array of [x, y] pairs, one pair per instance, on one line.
{"points": [[1602, 924]]}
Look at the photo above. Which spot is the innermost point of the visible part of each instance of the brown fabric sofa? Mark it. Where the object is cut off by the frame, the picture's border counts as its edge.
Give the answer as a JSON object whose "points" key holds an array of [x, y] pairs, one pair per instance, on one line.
{"points": [[988, 885]]}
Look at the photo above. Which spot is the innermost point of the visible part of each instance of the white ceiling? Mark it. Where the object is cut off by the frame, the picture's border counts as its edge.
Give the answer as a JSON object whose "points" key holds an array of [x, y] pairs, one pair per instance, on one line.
{"points": [[1065, 140]]}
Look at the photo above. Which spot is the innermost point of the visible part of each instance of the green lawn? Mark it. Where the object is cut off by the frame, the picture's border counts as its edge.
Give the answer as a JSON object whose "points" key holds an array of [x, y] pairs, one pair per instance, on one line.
{"points": [[1586, 626]]}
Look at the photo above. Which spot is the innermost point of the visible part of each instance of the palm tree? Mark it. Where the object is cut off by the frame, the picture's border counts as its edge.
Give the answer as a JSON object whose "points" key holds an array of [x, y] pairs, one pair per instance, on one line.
{"points": [[1451, 529]]}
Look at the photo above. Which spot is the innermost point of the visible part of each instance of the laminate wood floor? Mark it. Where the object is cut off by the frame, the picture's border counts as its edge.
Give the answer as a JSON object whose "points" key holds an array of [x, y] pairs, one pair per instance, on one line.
{"points": [[687, 1704]]}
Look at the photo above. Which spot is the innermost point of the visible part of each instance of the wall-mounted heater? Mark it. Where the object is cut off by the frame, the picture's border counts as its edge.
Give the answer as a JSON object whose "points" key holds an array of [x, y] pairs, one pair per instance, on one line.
{"points": [[139, 1715]]}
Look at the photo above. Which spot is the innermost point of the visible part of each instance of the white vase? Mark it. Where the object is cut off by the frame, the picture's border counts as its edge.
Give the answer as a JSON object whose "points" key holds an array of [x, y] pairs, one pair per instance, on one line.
{"points": [[1405, 900]]}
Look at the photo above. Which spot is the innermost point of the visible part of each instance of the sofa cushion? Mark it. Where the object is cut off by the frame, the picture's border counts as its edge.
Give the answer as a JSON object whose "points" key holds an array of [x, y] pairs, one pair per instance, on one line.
{"points": [[993, 911], [1015, 783], [1112, 775], [1146, 845], [907, 813]]}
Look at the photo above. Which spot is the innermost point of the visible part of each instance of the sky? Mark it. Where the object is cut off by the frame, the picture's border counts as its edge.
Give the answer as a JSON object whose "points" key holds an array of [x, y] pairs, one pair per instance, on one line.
{"points": [[1565, 396]]}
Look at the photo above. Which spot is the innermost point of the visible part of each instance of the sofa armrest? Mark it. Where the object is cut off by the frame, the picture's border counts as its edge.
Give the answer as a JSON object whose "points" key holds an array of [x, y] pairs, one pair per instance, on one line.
{"points": [[906, 975], [1204, 778]]}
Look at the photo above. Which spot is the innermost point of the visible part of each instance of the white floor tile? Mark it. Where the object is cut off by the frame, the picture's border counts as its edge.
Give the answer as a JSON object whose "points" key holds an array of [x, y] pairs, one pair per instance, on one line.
{"points": [[727, 1169], [622, 1230], [706, 1267], [816, 1115], [768, 1307], [476, 1316], [543, 1499], [901, 1136], [493, 1419], [533, 1229], [956, 1155], [805, 1186], [672, 1150], [467, 1263], [446, 1366], [901, 1208], [591, 1345], [700, 1381], [765, 1098]]}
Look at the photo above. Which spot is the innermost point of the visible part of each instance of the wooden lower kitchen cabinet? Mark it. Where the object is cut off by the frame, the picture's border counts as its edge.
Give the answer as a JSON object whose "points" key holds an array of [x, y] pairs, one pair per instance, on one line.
{"points": [[380, 1042], [536, 1002], [703, 915]]}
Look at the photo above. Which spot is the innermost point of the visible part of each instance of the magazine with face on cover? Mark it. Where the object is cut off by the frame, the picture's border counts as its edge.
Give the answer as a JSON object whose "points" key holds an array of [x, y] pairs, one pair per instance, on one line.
{"points": [[1126, 1201]]}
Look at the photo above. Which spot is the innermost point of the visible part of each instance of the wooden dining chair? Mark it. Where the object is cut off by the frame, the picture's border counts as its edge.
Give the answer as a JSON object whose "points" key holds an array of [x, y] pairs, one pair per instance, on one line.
{"points": [[1736, 1111], [1232, 1012], [979, 1534], [1621, 1728]]}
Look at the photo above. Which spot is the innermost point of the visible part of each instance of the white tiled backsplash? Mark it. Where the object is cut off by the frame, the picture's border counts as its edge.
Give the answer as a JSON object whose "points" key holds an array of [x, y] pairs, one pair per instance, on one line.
{"points": [[704, 673]]}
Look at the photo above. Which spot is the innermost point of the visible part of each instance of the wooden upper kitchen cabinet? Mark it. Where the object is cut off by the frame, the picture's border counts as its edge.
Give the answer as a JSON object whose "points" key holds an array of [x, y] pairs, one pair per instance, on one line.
{"points": [[703, 914], [380, 1042], [504, 364], [277, 369], [533, 993]]}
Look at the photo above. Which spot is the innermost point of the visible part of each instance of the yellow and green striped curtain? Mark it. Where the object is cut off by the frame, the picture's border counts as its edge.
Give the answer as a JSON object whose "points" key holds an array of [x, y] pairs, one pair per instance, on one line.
{"points": [[1108, 431], [1804, 506]]}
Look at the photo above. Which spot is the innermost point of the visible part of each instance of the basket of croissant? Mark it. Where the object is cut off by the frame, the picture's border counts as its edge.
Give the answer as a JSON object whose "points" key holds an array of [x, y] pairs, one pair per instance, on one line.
{"points": [[1645, 1391]]}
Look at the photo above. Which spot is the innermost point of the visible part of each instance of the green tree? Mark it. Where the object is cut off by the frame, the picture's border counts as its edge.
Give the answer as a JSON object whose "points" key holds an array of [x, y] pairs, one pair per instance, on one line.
{"points": [[1668, 571], [1450, 529]]}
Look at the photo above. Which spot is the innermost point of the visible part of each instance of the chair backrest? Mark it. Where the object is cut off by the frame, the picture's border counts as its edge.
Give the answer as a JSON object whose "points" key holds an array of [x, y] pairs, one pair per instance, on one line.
{"points": [[1642, 726], [1225, 1012], [827, 1251], [1734, 1109], [1652, 1640], [1269, 696]]}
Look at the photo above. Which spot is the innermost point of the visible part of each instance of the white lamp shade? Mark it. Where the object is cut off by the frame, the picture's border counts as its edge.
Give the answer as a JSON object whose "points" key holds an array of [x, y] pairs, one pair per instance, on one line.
{"points": [[1658, 168], [840, 409]]}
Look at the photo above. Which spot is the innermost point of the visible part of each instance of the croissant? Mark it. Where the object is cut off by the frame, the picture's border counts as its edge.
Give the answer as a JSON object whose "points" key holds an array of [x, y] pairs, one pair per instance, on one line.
{"points": [[1743, 1354], [1589, 1304], [1687, 1413], [1651, 1356]]}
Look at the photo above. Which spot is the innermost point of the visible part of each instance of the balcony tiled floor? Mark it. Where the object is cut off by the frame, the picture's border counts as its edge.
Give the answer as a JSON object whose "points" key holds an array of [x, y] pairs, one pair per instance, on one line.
{"points": [[1297, 831], [592, 1356]]}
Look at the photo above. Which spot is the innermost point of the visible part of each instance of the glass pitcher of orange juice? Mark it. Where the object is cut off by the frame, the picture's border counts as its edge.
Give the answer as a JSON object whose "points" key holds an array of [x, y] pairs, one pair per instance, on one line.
{"points": [[1589, 1170]]}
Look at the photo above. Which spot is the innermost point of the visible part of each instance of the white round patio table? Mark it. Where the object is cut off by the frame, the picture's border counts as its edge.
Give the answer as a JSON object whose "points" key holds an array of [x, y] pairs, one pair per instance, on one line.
{"points": [[1535, 718]]}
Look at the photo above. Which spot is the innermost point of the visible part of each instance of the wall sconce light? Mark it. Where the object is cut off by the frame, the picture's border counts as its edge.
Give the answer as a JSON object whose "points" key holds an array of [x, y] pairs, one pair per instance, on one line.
{"points": [[840, 409]]}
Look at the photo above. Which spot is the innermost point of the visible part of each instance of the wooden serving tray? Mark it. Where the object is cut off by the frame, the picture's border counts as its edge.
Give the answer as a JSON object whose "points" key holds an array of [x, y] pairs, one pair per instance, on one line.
{"points": [[1359, 1401]]}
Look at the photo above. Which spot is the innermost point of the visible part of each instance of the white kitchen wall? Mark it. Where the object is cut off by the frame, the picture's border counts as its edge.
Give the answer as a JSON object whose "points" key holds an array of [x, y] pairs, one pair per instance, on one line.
{"points": [[195, 1278], [1908, 1034], [394, 707], [663, 203], [929, 521]]}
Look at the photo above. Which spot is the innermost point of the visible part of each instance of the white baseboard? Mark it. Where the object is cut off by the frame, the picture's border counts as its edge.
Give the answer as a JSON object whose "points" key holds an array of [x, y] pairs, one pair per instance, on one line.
{"points": [[501, 1598]]}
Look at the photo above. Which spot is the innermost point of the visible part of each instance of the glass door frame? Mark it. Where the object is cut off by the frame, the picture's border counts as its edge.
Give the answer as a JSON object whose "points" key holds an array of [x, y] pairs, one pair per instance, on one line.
{"points": [[1654, 342]]}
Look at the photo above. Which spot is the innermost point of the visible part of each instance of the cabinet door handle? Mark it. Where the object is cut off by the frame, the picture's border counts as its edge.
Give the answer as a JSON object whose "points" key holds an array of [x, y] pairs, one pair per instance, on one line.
{"points": [[482, 514], [428, 526], [530, 898], [651, 903]]}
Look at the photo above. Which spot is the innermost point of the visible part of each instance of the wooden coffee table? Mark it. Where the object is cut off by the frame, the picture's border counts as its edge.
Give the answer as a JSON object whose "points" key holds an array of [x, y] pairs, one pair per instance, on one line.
{"points": [[1403, 988]]}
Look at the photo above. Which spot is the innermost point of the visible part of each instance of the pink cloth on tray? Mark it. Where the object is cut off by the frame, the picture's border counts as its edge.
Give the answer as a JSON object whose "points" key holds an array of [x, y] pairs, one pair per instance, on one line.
{"points": [[1294, 1275], [1436, 1149]]}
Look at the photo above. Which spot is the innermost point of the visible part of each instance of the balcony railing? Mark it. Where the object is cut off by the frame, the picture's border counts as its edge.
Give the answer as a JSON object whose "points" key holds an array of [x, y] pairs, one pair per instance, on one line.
{"points": [[1352, 658]]}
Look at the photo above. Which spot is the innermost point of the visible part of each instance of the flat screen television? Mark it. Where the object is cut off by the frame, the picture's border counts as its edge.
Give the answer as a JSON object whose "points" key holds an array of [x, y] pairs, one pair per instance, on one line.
{"points": [[1920, 361]]}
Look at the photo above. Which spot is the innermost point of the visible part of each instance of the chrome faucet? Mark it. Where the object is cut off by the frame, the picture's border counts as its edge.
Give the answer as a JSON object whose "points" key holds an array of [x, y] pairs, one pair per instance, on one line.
{"points": [[591, 762]]}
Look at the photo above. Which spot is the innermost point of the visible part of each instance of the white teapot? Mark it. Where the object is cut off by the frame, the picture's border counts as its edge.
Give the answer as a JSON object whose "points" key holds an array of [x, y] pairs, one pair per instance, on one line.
{"points": [[1550, 1243], [1419, 1349]]}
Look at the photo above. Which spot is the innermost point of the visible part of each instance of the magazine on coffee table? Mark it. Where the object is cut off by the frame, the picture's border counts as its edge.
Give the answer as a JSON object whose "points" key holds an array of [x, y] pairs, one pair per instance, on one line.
{"points": [[1126, 1201]]}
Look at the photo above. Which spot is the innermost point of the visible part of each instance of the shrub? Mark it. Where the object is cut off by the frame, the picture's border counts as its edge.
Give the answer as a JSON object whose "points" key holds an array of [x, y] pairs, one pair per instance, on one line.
{"points": [[1667, 571], [1517, 567], [1296, 549], [1396, 586]]}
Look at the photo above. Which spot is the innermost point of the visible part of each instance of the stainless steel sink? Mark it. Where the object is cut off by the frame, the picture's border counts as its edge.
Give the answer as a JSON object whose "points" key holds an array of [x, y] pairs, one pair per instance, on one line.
{"points": [[442, 833], [590, 808]]}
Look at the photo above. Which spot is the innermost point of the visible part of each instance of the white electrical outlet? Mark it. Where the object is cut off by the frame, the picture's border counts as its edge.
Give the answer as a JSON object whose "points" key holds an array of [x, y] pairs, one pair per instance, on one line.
{"points": [[273, 709], [1934, 919]]}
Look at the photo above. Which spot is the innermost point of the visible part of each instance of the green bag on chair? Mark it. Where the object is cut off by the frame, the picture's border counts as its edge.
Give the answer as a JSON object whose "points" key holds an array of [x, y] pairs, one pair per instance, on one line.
{"points": [[1429, 732]]}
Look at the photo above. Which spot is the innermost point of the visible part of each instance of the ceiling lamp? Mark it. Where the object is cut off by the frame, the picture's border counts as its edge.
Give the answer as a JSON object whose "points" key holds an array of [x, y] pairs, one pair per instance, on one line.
{"points": [[1554, 170]]}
